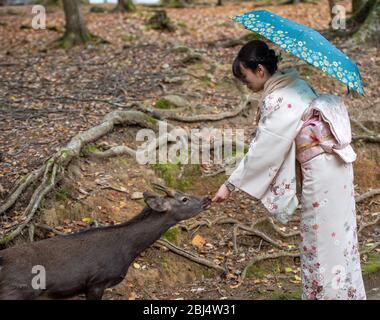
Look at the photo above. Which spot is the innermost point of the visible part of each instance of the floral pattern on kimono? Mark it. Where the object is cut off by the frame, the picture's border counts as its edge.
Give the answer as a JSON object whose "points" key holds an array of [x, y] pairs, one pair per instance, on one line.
{"points": [[330, 259], [270, 161]]}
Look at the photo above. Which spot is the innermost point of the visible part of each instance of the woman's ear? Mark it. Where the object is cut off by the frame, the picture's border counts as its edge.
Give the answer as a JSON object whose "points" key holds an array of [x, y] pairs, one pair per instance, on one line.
{"points": [[260, 70]]}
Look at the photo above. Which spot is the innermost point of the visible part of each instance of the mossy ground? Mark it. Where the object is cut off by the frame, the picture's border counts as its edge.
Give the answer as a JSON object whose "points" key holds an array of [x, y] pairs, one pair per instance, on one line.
{"points": [[172, 234], [372, 264]]}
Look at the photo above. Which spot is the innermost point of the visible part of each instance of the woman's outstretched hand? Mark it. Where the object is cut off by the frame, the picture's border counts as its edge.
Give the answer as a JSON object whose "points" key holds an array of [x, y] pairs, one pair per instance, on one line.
{"points": [[222, 194]]}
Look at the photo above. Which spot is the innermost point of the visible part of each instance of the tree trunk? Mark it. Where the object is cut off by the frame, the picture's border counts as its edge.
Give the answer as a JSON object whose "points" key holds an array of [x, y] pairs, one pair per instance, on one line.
{"points": [[125, 6], [361, 15], [357, 4], [369, 31], [332, 4], [76, 30]]}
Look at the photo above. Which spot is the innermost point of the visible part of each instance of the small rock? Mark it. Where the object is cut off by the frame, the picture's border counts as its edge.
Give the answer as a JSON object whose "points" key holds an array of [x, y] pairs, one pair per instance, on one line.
{"points": [[137, 195], [136, 265]]}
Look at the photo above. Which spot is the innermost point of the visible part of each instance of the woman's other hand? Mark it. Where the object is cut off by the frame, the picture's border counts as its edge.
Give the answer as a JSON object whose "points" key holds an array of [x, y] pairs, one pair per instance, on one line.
{"points": [[222, 194]]}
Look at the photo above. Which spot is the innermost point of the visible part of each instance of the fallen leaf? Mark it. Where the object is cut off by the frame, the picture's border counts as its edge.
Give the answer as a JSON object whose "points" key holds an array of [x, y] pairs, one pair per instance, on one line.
{"points": [[198, 241], [132, 296]]}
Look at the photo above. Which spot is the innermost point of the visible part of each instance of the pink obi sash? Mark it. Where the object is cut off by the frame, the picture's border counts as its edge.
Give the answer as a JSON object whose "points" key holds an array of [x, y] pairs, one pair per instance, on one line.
{"points": [[314, 138]]}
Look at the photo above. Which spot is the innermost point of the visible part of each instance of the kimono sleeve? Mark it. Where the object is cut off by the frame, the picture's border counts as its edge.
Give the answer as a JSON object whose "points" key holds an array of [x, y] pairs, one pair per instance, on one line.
{"points": [[274, 140], [260, 164]]}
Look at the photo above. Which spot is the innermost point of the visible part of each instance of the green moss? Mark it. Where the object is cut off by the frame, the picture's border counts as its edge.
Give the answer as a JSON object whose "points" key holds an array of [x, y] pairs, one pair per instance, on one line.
{"points": [[63, 193], [171, 234], [163, 104], [372, 265], [42, 204], [165, 264], [128, 38], [122, 161], [64, 153], [276, 267], [182, 24], [151, 119], [280, 294], [208, 273], [178, 176], [88, 149], [255, 271]]}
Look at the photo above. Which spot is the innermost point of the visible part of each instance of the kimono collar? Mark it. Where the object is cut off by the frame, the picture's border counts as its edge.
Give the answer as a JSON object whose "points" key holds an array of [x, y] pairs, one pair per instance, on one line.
{"points": [[280, 79]]}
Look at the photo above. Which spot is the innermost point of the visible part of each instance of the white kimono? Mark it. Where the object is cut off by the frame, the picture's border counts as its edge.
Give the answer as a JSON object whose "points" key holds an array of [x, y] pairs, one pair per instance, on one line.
{"points": [[330, 260], [272, 153]]}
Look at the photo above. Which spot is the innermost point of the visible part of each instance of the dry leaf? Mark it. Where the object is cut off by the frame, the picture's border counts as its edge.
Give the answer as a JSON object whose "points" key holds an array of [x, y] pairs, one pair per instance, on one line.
{"points": [[198, 241], [132, 296]]}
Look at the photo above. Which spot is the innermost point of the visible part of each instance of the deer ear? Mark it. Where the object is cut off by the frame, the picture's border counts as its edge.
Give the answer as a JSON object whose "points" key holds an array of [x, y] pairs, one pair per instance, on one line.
{"points": [[155, 202]]}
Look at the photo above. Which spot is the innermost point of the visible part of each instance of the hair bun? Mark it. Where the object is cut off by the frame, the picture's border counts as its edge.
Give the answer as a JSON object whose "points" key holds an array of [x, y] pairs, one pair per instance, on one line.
{"points": [[272, 55]]}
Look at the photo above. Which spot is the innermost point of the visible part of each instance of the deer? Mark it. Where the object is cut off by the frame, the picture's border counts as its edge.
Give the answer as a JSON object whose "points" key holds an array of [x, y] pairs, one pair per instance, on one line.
{"points": [[92, 260]]}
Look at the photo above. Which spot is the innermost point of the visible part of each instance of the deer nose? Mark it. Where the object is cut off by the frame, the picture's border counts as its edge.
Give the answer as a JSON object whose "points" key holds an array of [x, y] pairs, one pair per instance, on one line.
{"points": [[206, 202]]}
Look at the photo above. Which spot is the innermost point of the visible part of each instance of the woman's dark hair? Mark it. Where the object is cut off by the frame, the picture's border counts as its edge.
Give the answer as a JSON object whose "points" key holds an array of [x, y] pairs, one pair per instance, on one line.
{"points": [[253, 53]]}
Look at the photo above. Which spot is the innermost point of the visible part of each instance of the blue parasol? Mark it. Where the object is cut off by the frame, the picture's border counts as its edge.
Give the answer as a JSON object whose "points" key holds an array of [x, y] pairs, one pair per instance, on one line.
{"points": [[304, 43]]}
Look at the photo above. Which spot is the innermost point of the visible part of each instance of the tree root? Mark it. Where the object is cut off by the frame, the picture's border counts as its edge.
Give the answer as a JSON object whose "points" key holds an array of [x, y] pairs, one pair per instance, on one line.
{"points": [[52, 171], [20, 189], [173, 115], [365, 225], [114, 152], [280, 232], [268, 256], [190, 255], [370, 249], [372, 139], [363, 127], [367, 195]]}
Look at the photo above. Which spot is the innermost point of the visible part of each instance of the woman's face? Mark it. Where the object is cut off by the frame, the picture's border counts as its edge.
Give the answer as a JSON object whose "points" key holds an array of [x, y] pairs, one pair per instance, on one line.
{"points": [[255, 80]]}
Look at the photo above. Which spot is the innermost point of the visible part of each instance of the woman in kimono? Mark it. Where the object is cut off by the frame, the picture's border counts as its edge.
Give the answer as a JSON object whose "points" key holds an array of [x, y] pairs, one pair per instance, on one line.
{"points": [[296, 128]]}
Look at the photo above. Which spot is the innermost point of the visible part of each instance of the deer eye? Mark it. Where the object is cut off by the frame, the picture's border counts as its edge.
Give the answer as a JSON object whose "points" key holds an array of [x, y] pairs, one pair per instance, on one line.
{"points": [[184, 200]]}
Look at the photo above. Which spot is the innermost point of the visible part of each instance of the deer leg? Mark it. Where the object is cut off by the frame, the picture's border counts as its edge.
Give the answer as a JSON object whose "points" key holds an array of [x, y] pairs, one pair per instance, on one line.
{"points": [[94, 293]]}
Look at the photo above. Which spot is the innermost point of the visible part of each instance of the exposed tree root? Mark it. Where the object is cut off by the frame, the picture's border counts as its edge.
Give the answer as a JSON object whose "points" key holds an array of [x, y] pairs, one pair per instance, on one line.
{"points": [[280, 232], [367, 195], [190, 255], [20, 189], [266, 257], [52, 171], [365, 225], [371, 248], [114, 152], [173, 115], [370, 136]]}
